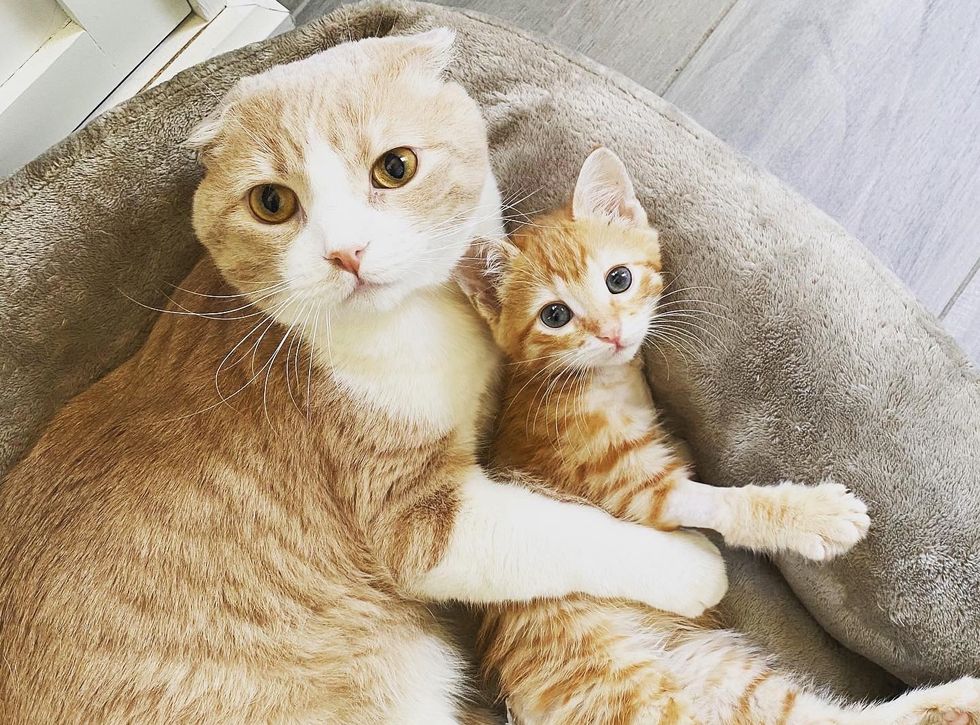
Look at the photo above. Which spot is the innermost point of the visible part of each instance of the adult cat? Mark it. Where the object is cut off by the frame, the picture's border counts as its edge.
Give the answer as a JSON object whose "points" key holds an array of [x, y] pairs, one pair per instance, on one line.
{"points": [[245, 521]]}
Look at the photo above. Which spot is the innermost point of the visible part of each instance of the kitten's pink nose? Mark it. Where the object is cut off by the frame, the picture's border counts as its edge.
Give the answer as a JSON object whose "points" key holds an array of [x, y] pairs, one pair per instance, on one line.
{"points": [[612, 335], [347, 259]]}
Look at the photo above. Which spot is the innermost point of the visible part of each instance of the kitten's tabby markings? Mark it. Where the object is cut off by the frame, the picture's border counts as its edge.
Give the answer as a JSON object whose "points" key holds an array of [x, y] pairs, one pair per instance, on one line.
{"points": [[578, 414], [167, 557]]}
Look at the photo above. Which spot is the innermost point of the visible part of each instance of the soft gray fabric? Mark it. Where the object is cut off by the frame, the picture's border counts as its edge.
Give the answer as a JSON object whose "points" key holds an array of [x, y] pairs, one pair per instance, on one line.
{"points": [[821, 363]]}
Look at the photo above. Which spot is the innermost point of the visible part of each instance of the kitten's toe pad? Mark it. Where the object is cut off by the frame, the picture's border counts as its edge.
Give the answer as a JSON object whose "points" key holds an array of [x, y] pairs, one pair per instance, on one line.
{"points": [[956, 703], [830, 520], [955, 717]]}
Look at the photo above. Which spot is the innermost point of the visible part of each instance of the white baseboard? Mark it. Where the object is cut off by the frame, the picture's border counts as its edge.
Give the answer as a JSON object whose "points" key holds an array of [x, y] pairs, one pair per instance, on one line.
{"points": [[238, 23]]}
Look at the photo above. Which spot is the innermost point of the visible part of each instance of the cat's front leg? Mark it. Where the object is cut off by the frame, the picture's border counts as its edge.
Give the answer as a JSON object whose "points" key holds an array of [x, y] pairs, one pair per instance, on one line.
{"points": [[818, 522], [508, 543]]}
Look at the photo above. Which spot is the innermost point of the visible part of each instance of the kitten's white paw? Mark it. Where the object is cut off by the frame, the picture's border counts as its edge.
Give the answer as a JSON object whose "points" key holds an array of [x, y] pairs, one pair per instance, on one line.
{"points": [[689, 577], [827, 520]]}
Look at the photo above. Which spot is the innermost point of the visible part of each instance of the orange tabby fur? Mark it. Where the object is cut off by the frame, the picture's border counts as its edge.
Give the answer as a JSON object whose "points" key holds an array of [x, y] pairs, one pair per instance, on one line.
{"points": [[578, 414]]}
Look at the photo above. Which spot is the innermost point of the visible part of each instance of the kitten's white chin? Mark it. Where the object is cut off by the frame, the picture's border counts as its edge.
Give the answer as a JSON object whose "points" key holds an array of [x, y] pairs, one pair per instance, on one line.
{"points": [[612, 358]]}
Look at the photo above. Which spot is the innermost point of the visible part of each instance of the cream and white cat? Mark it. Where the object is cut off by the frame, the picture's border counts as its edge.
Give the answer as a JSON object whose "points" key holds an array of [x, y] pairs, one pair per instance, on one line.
{"points": [[248, 520]]}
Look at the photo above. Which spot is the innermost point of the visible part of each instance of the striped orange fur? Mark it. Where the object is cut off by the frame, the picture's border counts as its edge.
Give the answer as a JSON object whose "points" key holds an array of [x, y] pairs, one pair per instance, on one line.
{"points": [[576, 413]]}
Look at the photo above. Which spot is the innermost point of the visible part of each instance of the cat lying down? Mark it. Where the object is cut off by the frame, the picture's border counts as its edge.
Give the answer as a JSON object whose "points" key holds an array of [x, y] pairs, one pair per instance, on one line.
{"points": [[249, 520], [570, 299]]}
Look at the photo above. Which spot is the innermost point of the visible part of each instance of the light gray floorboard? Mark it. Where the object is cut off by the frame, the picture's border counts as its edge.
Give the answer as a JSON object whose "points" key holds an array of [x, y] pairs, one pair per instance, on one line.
{"points": [[870, 108], [648, 41], [962, 318]]}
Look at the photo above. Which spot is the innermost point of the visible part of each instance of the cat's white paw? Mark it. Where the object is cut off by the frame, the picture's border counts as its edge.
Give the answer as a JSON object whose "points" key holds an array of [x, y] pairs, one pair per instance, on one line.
{"points": [[826, 521], [689, 577]]}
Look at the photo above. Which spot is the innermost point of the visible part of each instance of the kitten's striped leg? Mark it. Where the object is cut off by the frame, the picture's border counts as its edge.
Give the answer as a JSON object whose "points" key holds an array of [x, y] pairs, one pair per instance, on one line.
{"points": [[818, 522], [730, 683], [955, 703], [576, 660]]}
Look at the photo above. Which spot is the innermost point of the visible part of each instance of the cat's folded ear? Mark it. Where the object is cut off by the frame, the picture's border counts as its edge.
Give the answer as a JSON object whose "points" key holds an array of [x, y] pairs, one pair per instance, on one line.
{"points": [[206, 133], [480, 274], [604, 190], [431, 51]]}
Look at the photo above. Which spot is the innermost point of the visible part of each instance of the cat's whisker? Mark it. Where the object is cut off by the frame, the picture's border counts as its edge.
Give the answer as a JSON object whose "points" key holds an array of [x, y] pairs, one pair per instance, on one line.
{"points": [[276, 286], [220, 315], [268, 366], [309, 373], [512, 201], [268, 322], [296, 342]]}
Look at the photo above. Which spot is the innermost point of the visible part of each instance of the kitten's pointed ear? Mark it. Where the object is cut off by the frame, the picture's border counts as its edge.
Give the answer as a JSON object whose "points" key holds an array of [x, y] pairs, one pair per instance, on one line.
{"points": [[604, 190], [431, 50], [480, 275]]}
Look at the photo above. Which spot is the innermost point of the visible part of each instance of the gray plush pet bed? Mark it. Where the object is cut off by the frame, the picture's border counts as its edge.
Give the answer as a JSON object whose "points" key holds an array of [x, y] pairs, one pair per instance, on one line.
{"points": [[820, 364]]}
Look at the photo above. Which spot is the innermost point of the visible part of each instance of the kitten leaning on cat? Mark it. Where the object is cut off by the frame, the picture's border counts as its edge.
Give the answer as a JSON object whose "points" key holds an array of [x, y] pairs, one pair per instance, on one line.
{"points": [[570, 300], [187, 543]]}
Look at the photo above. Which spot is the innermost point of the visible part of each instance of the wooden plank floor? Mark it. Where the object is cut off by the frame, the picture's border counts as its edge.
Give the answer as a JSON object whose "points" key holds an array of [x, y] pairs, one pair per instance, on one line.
{"points": [[871, 108]]}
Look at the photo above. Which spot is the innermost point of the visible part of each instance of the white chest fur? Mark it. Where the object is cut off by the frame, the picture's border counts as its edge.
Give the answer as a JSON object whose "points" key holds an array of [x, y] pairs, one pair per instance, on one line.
{"points": [[429, 362]]}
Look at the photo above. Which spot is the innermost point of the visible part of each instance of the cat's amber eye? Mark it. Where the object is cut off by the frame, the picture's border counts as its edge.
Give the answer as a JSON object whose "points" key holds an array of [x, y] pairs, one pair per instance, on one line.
{"points": [[618, 279], [394, 168], [272, 203], [555, 314]]}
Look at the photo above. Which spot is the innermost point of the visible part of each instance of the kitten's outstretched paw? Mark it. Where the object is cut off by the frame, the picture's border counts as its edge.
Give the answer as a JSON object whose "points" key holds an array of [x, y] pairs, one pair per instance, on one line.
{"points": [[829, 521], [955, 703]]}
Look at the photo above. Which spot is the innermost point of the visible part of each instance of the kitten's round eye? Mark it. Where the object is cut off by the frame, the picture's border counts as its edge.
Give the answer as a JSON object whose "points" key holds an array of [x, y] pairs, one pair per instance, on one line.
{"points": [[619, 280], [272, 203], [555, 314], [394, 168]]}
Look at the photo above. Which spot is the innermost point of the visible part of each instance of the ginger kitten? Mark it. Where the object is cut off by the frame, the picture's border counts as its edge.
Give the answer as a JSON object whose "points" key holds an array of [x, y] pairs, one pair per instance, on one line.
{"points": [[248, 521], [570, 300]]}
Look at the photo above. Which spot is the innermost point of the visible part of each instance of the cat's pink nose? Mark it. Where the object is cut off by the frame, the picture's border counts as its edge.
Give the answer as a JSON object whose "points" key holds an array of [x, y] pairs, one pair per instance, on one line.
{"points": [[347, 259]]}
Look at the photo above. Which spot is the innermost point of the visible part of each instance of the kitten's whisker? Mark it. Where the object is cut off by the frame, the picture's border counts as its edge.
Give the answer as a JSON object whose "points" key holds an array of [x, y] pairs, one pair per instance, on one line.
{"points": [[689, 327], [653, 341], [531, 379], [681, 344], [692, 312], [566, 359], [533, 359]]}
